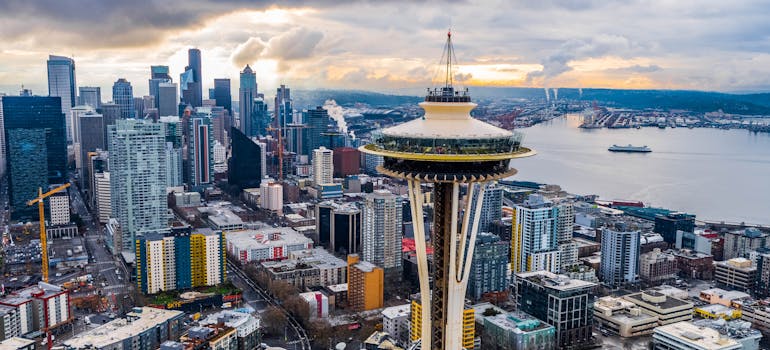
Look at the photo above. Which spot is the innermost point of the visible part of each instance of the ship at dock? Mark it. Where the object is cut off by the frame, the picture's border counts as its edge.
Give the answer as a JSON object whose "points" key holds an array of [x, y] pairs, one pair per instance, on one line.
{"points": [[629, 148]]}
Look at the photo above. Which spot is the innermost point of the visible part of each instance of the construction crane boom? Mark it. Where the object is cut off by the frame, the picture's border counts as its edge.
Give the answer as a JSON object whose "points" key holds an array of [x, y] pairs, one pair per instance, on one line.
{"points": [[41, 210]]}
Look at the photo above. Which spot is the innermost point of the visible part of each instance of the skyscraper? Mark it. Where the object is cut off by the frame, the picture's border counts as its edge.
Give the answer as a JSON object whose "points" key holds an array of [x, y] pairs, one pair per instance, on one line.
{"points": [[123, 96], [61, 83], [166, 100], [201, 152], [339, 227], [323, 167], [283, 108], [246, 94], [111, 113], [159, 75], [90, 96], [382, 231], [190, 81], [492, 208], [244, 168], [222, 94], [620, 257], [36, 148], [138, 178], [91, 132], [535, 237], [317, 121]]}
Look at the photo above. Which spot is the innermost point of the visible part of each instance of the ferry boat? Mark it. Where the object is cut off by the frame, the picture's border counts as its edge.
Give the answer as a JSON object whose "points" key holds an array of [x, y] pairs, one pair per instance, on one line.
{"points": [[629, 148]]}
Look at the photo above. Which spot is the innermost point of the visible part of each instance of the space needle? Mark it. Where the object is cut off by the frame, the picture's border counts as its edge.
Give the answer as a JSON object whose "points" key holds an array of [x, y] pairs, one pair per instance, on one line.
{"points": [[450, 150]]}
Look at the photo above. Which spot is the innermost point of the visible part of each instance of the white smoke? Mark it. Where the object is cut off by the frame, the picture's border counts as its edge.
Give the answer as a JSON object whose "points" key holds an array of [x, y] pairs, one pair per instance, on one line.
{"points": [[547, 95], [337, 113], [555, 93]]}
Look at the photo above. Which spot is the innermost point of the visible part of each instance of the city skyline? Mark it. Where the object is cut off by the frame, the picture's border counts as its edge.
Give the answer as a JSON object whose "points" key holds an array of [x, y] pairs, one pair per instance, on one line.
{"points": [[390, 47]]}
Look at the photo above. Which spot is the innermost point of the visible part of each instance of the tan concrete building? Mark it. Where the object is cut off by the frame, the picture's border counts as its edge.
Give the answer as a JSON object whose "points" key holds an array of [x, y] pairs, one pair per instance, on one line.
{"points": [[667, 309], [622, 317]]}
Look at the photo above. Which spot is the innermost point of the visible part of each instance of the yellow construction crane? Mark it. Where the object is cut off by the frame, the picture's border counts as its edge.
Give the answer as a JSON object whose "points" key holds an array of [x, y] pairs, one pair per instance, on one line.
{"points": [[43, 236]]}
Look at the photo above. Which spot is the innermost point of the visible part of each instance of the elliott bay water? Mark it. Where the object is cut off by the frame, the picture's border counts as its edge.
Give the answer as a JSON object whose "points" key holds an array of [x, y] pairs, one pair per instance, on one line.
{"points": [[716, 174]]}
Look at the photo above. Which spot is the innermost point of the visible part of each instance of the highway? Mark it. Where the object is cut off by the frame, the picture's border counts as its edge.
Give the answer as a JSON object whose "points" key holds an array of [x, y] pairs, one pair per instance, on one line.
{"points": [[297, 329]]}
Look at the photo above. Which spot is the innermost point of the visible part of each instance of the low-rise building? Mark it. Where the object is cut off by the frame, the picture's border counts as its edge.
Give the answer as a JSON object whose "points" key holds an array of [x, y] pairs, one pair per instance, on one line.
{"points": [[623, 318], [717, 311], [667, 309], [721, 296], [17, 343], [381, 341], [307, 268], [737, 330], [213, 337], [318, 304], [693, 264], [246, 326], [500, 329], [757, 312], [143, 328], [738, 273], [41, 307], [396, 322], [266, 244], [686, 336], [222, 219], [657, 266]]}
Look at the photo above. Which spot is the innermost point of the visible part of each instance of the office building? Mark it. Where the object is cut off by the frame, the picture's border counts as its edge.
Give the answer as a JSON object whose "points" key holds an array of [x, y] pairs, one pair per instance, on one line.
{"points": [[738, 244], [254, 118], [35, 148], [91, 134], [667, 225], [558, 301], [365, 284], [323, 168], [535, 236], [317, 121], [688, 335], [222, 94], [338, 227], [110, 112], [174, 166], [266, 244], [58, 208], [245, 165], [90, 96], [167, 100], [738, 274], [666, 309], [371, 162], [500, 329], [694, 264], [142, 328], [159, 75], [61, 83], [489, 268], [347, 161], [190, 82], [283, 108], [620, 257], [656, 267], [201, 152], [382, 231], [138, 181], [622, 317], [123, 96]]}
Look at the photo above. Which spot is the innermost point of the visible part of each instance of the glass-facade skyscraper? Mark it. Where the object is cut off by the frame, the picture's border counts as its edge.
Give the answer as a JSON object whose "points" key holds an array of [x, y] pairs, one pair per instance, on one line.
{"points": [[90, 96], [123, 96], [284, 112], [247, 91], [138, 178], [200, 150], [61, 83], [158, 75], [191, 90], [317, 121], [222, 94], [244, 168], [36, 147]]}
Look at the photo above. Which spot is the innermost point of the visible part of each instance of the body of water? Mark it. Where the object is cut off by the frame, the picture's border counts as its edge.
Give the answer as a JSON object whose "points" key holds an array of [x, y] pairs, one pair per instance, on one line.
{"points": [[715, 174]]}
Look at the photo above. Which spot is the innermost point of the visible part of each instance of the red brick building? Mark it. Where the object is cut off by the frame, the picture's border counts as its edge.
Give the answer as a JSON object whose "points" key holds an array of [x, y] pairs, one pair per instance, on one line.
{"points": [[347, 161]]}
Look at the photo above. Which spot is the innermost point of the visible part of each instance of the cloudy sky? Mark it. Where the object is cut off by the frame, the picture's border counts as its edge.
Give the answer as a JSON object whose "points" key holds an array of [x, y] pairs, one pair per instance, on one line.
{"points": [[394, 46]]}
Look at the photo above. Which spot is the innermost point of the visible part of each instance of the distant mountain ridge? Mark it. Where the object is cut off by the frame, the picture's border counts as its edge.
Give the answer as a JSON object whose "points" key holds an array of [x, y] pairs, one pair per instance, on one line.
{"points": [[696, 101]]}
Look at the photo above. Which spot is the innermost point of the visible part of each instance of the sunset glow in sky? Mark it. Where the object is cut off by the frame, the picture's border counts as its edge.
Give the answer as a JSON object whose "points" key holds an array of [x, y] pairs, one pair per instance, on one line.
{"points": [[394, 46]]}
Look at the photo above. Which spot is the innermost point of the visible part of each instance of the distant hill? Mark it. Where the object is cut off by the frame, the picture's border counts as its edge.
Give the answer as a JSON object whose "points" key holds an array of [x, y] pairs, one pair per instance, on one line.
{"points": [[309, 98], [696, 101]]}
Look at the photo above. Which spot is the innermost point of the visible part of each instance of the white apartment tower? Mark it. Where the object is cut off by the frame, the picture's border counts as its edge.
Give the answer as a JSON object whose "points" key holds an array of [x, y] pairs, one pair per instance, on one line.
{"points": [[382, 230], [535, 236], [323, 166]]}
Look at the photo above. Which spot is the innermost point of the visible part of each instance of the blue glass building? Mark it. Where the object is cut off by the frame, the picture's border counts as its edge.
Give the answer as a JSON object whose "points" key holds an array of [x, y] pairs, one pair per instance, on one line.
{"points": [[123, 96]]}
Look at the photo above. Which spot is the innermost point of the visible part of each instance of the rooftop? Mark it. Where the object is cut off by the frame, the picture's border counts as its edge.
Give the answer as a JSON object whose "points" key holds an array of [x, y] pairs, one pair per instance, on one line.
{"points": [[365, 266], [658, 299], [266, 237], [554, 281], [120, 329], [692, 336], [396, 311], [15, 343]]}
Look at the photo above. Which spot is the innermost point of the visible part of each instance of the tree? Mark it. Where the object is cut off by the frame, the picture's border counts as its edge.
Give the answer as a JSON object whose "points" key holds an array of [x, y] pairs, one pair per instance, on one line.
{"points": [[274, 321], [320, 333], [298, 308]]}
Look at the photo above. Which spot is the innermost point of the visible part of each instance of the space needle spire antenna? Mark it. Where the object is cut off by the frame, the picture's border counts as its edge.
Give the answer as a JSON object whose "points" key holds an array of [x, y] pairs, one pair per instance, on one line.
{"points": [[449, 150]]}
